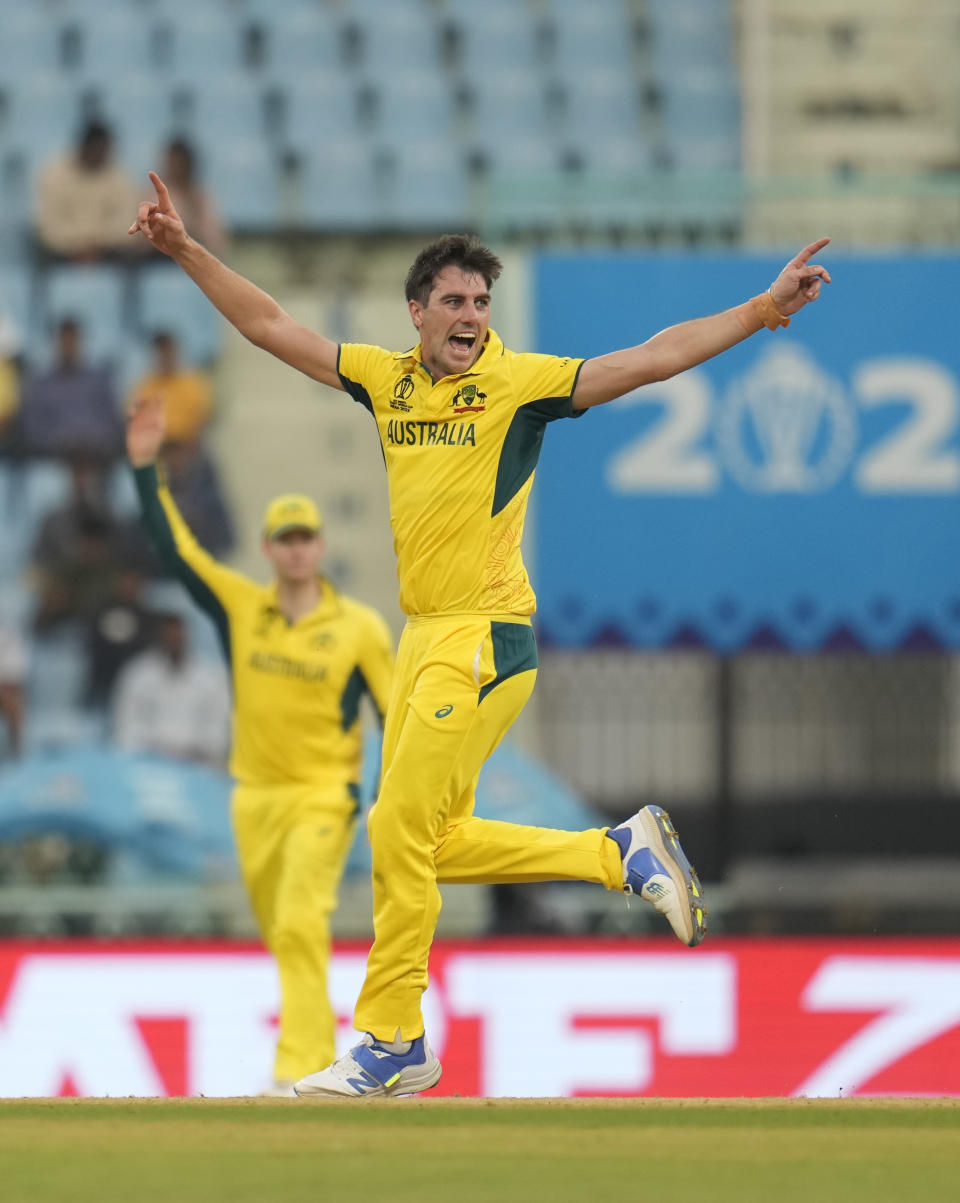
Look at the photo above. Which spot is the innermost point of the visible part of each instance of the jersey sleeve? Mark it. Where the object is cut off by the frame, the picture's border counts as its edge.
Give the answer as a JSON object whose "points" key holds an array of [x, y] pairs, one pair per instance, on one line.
{"points": [[213, 586], [546, 383], [377, 660], [364, 372]]}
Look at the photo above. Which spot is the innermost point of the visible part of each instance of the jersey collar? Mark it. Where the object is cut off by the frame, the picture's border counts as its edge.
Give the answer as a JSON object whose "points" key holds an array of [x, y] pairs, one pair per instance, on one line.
{"points": [[327, 607], [492, 351]]}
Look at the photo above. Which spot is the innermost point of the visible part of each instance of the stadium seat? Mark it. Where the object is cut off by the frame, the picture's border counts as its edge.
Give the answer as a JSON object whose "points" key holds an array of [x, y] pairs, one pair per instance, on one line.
{"points": [[242, 175], [16, 291], [508, 107], [95, 295], [227, 108], [600, 104], [426, 188], [203, 42], [112, 38], [342, 188], [169, 300], [299, 37], [413, 106], [590, 36], [28, 44], [321, 109], [44, 118], [395, 36], [141, 116], [503, 38]]}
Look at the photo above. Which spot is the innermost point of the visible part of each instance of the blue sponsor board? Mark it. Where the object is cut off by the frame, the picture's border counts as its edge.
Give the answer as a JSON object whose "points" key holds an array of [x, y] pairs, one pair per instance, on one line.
{"points": [[803, 489]]}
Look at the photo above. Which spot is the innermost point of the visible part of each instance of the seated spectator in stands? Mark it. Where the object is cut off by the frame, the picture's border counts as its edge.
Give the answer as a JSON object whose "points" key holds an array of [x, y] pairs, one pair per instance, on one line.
{"points": [[9, 376], [195, 486], [172, 704], [187, 393], [13, 672], [122, 629], [72, 408], [79, 550], [83, 199], [192, 202]]}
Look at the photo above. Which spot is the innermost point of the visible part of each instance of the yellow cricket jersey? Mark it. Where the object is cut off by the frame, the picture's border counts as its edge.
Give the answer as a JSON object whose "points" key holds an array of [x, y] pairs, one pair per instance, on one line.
{"points": [[460, 455], [297, 687]]}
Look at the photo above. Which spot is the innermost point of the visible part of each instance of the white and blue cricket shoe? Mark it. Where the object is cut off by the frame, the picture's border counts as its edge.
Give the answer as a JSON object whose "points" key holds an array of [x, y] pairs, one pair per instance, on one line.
{"points": [[370, 1071], [655, 867]]}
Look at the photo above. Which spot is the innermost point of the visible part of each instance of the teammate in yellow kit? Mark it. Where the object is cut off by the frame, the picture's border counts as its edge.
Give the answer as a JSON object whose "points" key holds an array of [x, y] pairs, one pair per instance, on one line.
{"points": [[461, 420], [301, 656]]}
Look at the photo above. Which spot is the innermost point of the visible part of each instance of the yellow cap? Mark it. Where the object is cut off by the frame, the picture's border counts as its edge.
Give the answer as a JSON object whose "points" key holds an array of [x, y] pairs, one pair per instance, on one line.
{"points": [[292, 511]]}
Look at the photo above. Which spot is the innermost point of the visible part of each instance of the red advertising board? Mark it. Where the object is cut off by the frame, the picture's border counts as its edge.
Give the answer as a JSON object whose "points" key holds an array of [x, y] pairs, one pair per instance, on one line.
{"points": [[507, 1017]]}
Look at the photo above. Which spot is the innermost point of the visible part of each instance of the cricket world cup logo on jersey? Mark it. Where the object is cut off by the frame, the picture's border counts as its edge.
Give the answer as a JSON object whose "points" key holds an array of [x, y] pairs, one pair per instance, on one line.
{"points": [[402, 391], [786, 426], [469, 400]]}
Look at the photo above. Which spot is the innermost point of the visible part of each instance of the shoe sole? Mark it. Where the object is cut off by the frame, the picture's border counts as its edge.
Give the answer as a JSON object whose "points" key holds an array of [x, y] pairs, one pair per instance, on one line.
{"points": [[662, 838], [411, 1085]]}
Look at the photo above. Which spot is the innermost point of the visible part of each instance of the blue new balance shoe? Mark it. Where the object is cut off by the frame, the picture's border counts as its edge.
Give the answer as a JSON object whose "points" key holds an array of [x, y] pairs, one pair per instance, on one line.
{"points": [[370, 1071], [655, 867]]}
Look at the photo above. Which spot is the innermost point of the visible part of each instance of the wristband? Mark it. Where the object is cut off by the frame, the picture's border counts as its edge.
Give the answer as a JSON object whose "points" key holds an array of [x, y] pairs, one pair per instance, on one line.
{"points": [[766, 310]]}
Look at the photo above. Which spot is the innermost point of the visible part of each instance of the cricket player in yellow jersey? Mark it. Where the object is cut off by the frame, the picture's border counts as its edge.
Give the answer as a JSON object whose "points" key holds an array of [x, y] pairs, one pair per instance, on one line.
{"points": [[461, 419], [301, 656]]}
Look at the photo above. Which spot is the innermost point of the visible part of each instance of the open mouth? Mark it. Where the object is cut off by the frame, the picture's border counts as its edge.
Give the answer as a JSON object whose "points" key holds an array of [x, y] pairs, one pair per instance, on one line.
{"points": [[462, 342]]}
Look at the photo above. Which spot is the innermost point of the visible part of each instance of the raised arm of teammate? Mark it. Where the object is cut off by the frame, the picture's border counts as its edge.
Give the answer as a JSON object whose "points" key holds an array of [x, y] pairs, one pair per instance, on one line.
{"points": [[685, 345], [254, 312]]}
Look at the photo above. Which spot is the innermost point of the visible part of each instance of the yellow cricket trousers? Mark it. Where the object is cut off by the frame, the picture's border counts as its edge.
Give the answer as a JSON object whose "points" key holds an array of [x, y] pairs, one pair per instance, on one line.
{"points": [[459, 683], [292, 842]]}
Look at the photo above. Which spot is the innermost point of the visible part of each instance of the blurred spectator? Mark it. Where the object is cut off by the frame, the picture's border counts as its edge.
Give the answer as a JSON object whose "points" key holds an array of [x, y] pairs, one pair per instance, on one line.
{"points": [[186, 393], [13, 672], [195, 486], [189, 199], [171, 703], [79, 551], [72, 408], [84, 202], [122, 629], [9, 374]]}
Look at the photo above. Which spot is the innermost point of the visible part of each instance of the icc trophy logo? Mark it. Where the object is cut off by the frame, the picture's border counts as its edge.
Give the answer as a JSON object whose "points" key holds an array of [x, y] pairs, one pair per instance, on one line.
{"points": [[786, 426], [402, 391]]}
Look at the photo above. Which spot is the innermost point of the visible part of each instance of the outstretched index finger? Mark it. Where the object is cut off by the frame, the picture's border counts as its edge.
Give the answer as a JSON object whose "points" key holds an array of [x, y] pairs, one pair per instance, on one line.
{"points": [[809, 251], [163, 196]]}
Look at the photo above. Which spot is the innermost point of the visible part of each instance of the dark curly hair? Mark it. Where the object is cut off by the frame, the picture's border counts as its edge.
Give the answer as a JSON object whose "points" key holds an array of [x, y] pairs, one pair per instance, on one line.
{"points": [[452, 250]]}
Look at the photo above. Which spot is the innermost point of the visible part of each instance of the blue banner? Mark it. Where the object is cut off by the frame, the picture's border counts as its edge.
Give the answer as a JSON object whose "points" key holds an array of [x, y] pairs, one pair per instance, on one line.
{"points": [[803, 489]]}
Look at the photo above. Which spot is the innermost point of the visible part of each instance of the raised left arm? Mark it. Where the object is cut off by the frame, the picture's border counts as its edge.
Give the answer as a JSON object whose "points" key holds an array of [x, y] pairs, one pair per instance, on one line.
{"points": [[685, 345]]}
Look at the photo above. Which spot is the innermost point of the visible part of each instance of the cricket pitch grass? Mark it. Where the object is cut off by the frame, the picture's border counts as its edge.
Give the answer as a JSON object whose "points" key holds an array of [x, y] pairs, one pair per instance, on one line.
{"points": [[468, 1150]]}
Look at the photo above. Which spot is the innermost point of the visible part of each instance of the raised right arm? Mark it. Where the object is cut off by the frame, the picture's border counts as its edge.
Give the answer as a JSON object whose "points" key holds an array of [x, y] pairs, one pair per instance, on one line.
{"points": [[254, 312]]}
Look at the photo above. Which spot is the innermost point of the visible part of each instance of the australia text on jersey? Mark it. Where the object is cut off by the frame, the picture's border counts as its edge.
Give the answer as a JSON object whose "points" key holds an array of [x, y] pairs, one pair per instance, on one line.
{"points": [[429, 434]]}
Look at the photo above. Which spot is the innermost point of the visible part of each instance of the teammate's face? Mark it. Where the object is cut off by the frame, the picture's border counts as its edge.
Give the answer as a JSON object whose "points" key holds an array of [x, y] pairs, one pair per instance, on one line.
{"points": [[453, 323], [295, 555]]}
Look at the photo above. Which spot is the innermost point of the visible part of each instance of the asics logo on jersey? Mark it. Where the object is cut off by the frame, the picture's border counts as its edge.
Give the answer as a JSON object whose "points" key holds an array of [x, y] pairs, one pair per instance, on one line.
{"points": [[444, 712]]}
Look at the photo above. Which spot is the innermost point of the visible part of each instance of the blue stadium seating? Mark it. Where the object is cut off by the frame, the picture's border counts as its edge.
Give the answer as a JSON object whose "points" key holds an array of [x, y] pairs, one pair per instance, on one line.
{"points": [[414, 106], [426, 188], [95, 295], [169, 300], [28, 43], [342, 188], [301, 37], [500, 37], [591, 36], [242, 175]]}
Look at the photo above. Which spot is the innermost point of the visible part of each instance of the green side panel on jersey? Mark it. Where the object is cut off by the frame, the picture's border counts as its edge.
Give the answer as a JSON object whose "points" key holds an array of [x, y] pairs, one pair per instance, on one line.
{"points": [[154, 519], [514, 651], [522, 443], [353, 692]]}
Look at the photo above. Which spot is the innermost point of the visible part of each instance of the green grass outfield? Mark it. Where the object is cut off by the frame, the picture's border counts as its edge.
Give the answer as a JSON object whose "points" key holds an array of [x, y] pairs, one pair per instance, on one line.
{"points": [[465, 1150]]}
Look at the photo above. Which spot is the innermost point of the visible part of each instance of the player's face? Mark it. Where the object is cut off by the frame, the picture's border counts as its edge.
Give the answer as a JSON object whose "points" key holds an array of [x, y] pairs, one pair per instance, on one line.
{"points": [[295, 555], [453, 323]]}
